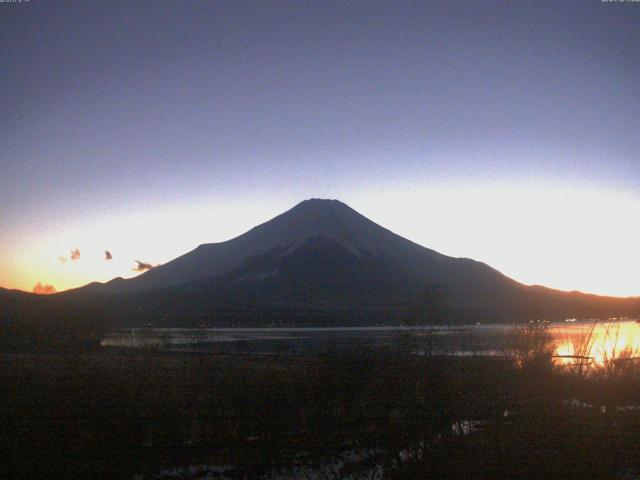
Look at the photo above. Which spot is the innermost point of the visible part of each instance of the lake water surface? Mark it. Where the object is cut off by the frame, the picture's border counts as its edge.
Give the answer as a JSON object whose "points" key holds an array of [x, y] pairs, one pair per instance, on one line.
{"points": [[595, 341]]}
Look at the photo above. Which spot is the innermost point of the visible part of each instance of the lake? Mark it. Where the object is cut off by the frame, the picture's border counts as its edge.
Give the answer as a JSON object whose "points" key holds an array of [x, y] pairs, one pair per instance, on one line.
{"points": [[595, 341]]}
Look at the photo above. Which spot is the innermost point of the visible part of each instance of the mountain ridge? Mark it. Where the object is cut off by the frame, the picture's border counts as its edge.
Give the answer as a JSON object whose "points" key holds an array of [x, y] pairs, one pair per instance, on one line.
{"points": [[313, 218], [323, 263]]}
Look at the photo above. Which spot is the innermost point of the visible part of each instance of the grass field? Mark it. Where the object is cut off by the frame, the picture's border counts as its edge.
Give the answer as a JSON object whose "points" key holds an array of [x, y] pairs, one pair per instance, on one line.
{"points": [[118, 413]]}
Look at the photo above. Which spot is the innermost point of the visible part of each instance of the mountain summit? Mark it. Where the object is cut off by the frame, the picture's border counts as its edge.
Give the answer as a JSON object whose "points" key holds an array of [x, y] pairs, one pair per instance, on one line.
{"points": [[324, 262], [310, 221]]}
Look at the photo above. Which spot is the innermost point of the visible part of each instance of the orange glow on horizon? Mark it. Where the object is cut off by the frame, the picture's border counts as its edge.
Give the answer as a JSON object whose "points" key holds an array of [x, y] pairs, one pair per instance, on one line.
{"points": [[43, 289], [563, 238]]}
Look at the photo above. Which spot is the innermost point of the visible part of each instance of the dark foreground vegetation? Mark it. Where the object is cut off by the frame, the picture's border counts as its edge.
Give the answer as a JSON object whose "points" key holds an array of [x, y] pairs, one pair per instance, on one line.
{"points": [[96, 413]]}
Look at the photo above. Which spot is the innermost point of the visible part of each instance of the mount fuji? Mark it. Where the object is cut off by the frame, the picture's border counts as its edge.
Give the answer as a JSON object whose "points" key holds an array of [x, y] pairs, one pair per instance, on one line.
{"points": [[323, 263]]}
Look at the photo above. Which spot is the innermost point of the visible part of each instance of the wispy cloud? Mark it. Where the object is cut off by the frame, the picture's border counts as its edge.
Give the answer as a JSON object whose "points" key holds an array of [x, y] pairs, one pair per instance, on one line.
{"points": [[143, 266], [43, 289], [107, 255], [75, 254]]}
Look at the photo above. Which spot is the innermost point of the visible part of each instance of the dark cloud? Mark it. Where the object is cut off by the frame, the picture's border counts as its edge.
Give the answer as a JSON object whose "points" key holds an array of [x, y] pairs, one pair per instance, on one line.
{"points": [[63, 259], [43, 289], [143, 266], [75, 254], [107, 255]]}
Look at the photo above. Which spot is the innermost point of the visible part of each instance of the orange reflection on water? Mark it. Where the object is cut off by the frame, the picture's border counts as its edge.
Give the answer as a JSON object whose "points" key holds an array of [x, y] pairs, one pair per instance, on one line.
{"points": [[595, 343]]}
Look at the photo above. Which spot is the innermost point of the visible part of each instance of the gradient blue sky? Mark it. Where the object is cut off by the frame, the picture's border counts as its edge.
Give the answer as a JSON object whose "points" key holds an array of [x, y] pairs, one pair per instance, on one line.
{"points": [[503, 131]]}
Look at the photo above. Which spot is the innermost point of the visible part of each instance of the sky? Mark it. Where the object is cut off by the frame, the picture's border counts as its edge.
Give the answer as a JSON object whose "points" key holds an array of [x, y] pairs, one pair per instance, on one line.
{"points": [[502, 131]]}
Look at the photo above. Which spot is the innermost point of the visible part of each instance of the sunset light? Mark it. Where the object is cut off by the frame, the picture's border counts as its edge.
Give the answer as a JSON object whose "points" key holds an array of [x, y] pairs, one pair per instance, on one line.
{"points": [[599, 345], [570, 238], [337, 239]]}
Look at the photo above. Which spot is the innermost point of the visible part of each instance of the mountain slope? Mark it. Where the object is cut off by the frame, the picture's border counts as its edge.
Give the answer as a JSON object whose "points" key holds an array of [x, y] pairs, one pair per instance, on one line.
{"points": [[311, 219], [323, 263]]}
